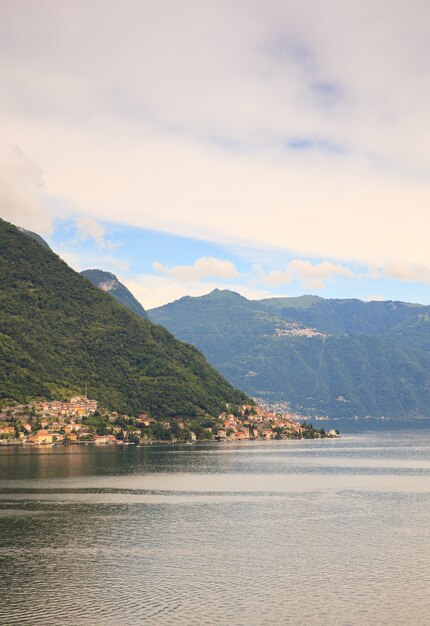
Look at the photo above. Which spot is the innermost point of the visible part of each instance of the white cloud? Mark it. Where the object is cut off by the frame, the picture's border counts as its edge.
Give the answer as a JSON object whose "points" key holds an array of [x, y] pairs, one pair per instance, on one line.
{"points": [[398, 269], [153, 291], [89, 228], [21, 183], [80, 261], [313, 275], [204, 267], [374, 298], [137, 115]]}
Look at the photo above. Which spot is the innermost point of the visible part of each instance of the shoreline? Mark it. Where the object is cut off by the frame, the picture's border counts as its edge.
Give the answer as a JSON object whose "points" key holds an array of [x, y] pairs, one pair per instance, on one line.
{"points": [[142, 444]]}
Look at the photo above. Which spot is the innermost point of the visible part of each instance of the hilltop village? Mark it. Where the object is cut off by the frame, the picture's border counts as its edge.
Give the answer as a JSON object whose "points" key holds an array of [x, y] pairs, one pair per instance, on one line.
{"points": [[81, 420]]}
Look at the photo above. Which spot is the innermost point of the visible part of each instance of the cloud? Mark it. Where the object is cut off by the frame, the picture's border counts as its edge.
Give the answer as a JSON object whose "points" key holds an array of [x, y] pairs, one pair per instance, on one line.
{"points": [[79, 260], [89, 228], [21, 184], [374, 298], [306, 131], [153, 291], [313, 275], [204, 267], [398, 269], [171, 283]]}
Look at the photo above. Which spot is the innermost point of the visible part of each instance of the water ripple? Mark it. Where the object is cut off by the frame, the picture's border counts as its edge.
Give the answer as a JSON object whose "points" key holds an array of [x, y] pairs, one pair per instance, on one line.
{"points": [[342, 539]]}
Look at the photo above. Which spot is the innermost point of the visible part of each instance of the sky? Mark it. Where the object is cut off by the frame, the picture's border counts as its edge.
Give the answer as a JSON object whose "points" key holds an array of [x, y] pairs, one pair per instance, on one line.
{"points": [[274, 148]]}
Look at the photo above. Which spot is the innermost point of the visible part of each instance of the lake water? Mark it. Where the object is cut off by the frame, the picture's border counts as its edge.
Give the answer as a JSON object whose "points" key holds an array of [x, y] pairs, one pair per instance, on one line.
{"points": [[290, 532]]}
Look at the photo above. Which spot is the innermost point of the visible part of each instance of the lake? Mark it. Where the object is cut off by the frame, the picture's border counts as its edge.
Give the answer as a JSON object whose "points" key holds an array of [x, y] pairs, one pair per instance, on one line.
{"points": [[283, 532]]}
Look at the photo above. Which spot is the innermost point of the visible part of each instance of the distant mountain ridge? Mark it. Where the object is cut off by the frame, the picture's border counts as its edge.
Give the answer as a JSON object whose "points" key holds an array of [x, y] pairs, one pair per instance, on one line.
{"points": [[337, 357], [59, 333], [109, 283]]}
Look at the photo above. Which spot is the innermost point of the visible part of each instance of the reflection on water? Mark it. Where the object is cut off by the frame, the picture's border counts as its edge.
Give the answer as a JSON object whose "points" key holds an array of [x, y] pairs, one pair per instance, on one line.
{"points": [[303, 532]]}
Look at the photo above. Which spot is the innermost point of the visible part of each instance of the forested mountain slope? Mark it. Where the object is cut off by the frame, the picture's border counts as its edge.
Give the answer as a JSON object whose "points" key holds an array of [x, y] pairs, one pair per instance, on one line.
{"points": [[339, 357], [58, 332]]}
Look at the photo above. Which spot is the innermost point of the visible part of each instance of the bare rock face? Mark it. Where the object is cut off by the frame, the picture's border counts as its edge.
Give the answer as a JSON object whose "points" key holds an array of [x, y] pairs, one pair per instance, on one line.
{"points": [[109, 285], [109, 282]]}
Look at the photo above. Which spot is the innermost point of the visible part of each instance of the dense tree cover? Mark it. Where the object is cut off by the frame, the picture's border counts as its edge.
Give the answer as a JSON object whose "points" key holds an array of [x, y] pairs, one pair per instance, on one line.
{"points": [[101, 279], [58, 332], [374, 359]]}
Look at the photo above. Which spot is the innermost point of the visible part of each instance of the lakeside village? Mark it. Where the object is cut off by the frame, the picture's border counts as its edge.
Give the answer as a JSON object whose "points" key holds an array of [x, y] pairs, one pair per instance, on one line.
{"points": [[81, 421]]}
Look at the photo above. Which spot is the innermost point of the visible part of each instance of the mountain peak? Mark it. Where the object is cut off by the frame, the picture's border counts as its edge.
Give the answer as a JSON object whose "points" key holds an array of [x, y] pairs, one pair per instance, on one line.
{"points": [[108, 282], [223, 294], [337, 357]]}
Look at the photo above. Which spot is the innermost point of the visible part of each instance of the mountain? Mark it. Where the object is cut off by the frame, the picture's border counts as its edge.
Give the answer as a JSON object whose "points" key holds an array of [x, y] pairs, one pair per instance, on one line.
{"points": [[414, 331], [336, 357], [351, 317], [109, 282], [58, 332], [35, 236]]}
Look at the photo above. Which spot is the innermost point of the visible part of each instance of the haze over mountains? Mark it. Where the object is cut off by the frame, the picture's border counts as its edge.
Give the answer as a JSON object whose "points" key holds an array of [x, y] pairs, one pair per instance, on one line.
{"points": [[59, 333], [337, 357]]}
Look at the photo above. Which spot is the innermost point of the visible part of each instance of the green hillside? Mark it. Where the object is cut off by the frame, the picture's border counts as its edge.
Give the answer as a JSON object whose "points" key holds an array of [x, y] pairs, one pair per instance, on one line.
{"points": [[414, 331], [59, 332], [338, 357], [110, 284], [351, 317]]}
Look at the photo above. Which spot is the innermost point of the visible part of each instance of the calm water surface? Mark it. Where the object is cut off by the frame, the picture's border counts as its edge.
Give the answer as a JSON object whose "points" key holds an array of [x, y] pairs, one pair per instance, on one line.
{"points": [[307, 532]]}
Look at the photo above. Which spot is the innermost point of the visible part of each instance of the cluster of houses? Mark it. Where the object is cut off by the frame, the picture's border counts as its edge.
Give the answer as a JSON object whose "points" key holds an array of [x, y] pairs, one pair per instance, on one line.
{"points": [[57, 422], [47, 422], [296, 330], [257, 422], [77, 407]]}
